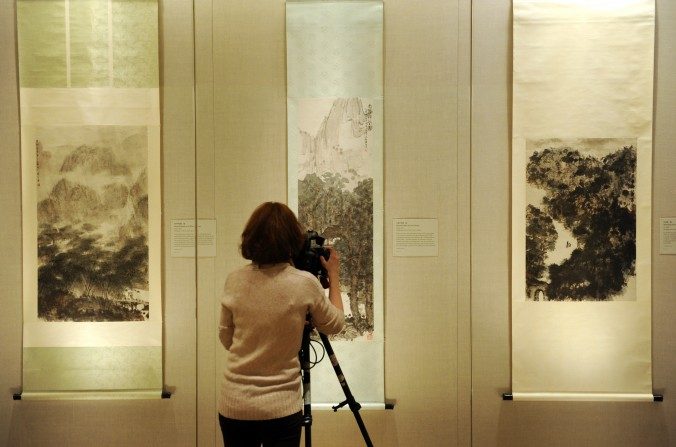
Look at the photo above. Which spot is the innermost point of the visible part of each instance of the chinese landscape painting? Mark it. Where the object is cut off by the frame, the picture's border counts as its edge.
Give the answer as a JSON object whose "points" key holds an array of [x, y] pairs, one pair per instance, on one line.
{"points": [[335, 195], [580, 220], [91, 198], [92, 212], [335, 171], [581, 200]]}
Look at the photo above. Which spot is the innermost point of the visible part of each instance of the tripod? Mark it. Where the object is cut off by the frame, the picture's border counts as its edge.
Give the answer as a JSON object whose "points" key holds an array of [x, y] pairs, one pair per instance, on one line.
{"points": [[307, 403]]}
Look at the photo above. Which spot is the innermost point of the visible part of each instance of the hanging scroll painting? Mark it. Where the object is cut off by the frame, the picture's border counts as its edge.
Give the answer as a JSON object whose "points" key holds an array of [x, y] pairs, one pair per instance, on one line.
{"points": [[335, 195], [89, 101], [581, 173], [334, 72]]}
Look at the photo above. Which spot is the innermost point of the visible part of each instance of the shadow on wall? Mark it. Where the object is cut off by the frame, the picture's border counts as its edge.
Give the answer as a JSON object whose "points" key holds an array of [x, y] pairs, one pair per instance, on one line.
{"points": [[83, 423], [340, 429], [597, 424]]}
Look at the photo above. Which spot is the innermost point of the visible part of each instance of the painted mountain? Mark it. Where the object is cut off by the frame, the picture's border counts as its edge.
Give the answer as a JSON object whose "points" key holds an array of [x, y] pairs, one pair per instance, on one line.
{"points": [[335, 196], [340, 144], [92, 223]]}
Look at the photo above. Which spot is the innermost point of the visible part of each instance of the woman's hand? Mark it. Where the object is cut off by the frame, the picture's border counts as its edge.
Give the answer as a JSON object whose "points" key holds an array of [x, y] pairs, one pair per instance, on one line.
{"points": [[332, 265]]}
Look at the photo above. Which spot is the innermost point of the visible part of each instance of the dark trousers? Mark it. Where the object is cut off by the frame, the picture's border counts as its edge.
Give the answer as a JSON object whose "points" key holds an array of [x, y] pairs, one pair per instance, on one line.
{"points": [[280, 432]]}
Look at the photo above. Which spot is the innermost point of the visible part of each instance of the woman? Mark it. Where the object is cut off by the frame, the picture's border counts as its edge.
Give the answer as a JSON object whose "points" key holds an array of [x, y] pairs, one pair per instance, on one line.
{"points": [[263, 313]]}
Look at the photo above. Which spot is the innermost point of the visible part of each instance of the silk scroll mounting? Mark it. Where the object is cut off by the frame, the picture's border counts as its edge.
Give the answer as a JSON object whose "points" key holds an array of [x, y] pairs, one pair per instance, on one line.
{"points": [[334, 74], [581, 197], [89, 95]]}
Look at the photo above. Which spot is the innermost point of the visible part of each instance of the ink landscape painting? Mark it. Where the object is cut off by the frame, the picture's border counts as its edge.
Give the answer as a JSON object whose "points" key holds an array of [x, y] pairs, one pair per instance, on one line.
{"points": [[581, 220], [92, 212], [335, 196]]}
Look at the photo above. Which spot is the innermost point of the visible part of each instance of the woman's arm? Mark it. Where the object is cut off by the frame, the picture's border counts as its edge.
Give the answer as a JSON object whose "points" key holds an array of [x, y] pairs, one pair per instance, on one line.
{"points": [[226, 327], [332, 266]]}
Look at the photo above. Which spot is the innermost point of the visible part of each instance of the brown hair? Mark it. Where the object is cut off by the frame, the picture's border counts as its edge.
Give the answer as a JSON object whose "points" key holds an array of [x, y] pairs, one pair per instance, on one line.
{"points": [[272, 234]]}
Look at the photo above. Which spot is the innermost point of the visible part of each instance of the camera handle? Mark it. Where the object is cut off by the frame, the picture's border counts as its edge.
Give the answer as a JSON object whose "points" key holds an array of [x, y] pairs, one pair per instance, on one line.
{"points": [[350, 401]]}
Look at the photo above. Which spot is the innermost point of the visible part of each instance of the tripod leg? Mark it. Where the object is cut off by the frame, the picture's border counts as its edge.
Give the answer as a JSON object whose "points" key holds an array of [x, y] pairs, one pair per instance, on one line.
{"points": [[305, 372], [350, 400]]}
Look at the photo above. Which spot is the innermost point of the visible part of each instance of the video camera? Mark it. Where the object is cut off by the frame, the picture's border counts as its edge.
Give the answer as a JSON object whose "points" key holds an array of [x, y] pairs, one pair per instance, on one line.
{"points": [[308, 258]]}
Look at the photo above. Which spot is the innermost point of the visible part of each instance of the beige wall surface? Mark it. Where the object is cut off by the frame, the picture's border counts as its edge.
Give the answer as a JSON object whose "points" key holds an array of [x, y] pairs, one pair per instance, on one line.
{"points": [[10, 224], [224, 152], [495, 422]]}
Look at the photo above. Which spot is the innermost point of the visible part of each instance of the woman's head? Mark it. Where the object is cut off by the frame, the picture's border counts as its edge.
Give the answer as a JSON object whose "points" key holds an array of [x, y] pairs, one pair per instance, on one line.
{"points": [[272, 234]]}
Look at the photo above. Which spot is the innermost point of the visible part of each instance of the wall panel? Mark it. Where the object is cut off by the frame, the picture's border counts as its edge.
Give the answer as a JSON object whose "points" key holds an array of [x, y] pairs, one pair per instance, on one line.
{"points": [[10, 222], [496, 422], [246, 72], [117, 422]]}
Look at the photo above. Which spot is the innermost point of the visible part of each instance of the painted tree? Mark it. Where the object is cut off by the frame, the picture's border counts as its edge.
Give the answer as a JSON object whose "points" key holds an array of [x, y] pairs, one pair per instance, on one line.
{"points": [[327, 206], [594, 199], [540, 238], [80, 280]]}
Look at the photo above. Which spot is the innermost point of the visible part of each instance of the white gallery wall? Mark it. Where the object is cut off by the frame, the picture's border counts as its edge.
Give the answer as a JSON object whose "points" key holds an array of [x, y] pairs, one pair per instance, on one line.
{"points": [[447, 328]]}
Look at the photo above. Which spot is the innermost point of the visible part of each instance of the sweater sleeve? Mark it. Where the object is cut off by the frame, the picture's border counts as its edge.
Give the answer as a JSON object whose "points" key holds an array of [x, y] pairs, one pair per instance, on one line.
{"points": [[226, 327], [327, 318]]}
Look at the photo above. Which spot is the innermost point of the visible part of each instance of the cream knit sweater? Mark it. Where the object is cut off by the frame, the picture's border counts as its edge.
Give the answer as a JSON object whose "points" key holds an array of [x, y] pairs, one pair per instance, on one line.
{"points": [[262, 319]]}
